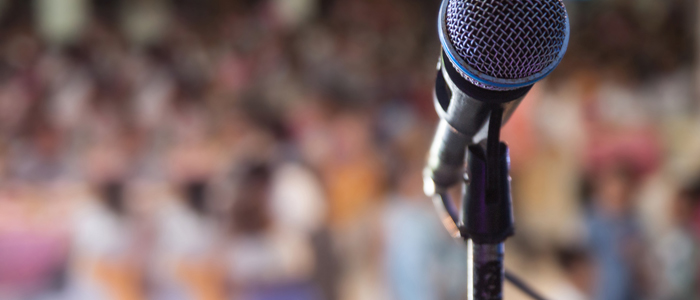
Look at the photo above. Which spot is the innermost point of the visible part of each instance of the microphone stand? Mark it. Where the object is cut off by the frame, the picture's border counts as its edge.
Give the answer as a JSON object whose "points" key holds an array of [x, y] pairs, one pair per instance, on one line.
{"points": [[485, 220]]}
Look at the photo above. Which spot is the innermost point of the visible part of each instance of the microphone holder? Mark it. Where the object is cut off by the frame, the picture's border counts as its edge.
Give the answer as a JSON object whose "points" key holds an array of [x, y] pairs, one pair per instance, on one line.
{"points": [[485, 219]]}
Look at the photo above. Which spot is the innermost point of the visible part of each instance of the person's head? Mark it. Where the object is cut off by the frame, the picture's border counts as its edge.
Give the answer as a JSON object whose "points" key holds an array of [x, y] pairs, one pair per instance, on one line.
{"points": [[106, 167], [112, 196], [614, 188], [685, 204], [578, 267], [250, 212], [195, 194], [44, 137], [106, 162]]}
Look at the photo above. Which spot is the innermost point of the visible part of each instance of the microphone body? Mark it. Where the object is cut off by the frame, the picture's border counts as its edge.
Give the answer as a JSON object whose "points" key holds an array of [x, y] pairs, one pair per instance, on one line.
{"points": [[493, 51], [464, 111]]}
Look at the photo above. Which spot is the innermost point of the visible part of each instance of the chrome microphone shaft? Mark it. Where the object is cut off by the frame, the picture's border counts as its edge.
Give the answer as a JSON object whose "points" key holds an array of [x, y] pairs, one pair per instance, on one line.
{"points": [[486, 272]]}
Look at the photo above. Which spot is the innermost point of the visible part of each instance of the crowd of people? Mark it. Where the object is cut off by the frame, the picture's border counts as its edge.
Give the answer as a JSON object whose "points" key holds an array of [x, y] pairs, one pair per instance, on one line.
{"points": [[273, 150]]}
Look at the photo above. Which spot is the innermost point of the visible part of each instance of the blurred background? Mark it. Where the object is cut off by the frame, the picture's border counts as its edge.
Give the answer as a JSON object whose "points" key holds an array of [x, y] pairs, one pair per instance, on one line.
{"points": [[272, 149]]}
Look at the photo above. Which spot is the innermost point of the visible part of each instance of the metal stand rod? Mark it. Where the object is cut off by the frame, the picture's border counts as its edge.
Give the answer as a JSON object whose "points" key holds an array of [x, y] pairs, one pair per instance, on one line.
{"points": [[486, 271], [448, 214], [485, 219], [488, 221]]}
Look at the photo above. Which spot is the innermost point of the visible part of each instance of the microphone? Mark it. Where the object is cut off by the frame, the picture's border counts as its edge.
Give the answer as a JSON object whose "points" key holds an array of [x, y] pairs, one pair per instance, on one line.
{"points": [[493, 51]]}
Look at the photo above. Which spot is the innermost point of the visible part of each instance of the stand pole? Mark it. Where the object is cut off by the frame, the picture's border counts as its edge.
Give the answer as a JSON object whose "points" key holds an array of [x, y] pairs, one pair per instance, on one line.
{"points": [[488, 220], [485, 219]]}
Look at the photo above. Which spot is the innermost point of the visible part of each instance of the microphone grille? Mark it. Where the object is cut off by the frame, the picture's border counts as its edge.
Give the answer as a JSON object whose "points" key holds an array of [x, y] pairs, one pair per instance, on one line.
{"points": [[508, 39]]}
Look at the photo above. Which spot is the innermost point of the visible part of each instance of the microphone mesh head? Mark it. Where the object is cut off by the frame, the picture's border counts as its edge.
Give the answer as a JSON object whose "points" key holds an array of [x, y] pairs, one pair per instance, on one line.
{"points": [[507, 39]]}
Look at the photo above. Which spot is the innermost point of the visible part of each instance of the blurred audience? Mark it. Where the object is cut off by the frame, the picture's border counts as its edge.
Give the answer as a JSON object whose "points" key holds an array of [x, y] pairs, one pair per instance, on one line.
{"points": [[579, 272], [678, 249], [271, 149], [614, 234], [266, 259]]}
